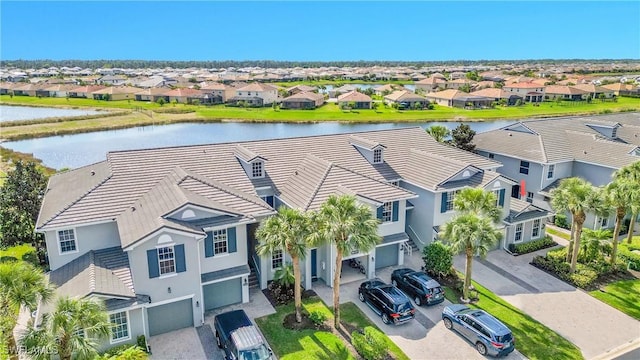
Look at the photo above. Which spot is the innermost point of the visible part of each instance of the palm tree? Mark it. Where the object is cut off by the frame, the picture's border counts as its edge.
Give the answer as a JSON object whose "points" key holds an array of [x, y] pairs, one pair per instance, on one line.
{"points": [[594, 243], [70, 330], [348, 226], [288, 231], [576, 196], [473, 231], [438, 132], [21, 285], [631, 174], [617, 195]]}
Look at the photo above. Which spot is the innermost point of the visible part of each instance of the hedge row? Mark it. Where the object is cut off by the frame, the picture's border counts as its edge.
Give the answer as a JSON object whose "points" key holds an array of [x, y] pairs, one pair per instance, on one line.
{"points": [[532, 246], [629, 257]]}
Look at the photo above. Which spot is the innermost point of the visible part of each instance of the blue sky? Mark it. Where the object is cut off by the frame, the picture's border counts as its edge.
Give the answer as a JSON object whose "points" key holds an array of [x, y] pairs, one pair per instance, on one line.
{"points": [[321, 31]]}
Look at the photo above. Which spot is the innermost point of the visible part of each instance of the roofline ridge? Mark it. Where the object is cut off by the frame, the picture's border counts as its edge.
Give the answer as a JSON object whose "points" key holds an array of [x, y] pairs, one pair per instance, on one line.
{"points": [[92, 271], [226, 188], [330, 165], [439, 156]]}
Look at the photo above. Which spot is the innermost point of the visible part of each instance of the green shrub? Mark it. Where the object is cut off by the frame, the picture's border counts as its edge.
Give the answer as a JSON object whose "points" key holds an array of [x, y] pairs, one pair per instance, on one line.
{"points": [[629, 257], [438, 259], [371, 345], [532, 246], [125, 352], [317, 317], [142, 342], [561, 221], [174, 110], [284, 276]]}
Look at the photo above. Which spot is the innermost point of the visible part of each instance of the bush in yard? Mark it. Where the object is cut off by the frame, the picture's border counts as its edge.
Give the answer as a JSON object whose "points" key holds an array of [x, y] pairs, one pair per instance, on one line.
{"points": [[630, 258], [438, 259], [125, 352], [532, 246], [317, 318], [561, 221], [371, 345]]}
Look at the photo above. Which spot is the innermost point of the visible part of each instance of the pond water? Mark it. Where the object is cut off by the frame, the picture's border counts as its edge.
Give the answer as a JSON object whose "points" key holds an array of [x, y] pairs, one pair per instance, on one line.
{"points": [[72, 151], [14, 113]]}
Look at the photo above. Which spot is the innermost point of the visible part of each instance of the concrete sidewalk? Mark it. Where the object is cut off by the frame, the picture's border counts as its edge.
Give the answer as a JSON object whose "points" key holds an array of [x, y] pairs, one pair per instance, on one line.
{"points": [[595, 327]]}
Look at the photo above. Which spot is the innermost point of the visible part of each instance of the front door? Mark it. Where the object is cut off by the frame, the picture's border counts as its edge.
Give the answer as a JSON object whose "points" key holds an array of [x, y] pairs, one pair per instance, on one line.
{"points": [[314, 265]]}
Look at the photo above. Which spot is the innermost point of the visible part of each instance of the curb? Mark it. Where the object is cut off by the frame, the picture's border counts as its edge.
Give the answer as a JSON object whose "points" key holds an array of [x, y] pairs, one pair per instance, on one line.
{"points": [[620, 350]]}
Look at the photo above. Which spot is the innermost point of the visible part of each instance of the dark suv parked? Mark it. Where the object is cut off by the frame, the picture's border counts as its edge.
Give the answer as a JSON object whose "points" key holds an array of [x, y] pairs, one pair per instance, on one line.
{"points": [[488, 334], [418, 285], [238, 338], [387, 301]]}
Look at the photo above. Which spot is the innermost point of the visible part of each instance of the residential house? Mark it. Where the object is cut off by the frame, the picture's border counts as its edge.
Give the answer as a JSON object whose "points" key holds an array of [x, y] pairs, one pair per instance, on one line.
{"points": [[85, 91], [26, 89], [112, 80], [152, 94], [57, 90], [553, 92], [530, 92], [116, 93], [619, 89], [498, 95], [303, 100], [347, 88], [186, 96], [255, 94], [156, 82], [300, 89], [406, 99], [539, 153], [458, 83], [431, 84], [459, 99], [164, 235], [595, 91], [221, 91], [382, 90], [7, 87], [355, 99]]}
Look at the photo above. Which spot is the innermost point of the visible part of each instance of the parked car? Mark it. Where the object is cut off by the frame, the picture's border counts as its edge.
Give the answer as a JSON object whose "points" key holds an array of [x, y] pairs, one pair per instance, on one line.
{"points": [[239, 338], [387, 301], [418, 285], [490, 336]]}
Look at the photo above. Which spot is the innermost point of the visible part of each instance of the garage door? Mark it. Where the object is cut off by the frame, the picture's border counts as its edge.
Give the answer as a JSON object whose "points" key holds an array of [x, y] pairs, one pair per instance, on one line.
{"points": [[169, 317], [386, 255], [222, 293]]}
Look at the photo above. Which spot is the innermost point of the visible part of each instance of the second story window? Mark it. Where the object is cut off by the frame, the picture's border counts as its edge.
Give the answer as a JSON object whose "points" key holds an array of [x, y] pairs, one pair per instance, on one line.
{"points": [[276, 259], [67, 239], [377, 156], [491, 155], [387, 211], [552, 168], [535, 232], [220, 241], [518, 235], [529, 197], [166, 260], [497, 194], [451, 196], [256, 169], [524, 167]]}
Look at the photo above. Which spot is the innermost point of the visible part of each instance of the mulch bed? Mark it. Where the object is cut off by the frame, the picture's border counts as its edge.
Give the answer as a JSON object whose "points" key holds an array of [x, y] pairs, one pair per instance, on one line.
{"points": [[599, 283], [274, 303]]}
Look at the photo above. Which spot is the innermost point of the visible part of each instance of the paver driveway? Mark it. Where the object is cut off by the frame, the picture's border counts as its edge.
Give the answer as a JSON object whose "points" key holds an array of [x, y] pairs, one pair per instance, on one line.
{"points": [[592, 325]]}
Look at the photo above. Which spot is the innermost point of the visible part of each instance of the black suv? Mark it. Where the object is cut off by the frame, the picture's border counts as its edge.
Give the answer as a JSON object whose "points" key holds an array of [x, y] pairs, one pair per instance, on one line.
{"points": [[387, 301], [418, 285], [238, 338]]}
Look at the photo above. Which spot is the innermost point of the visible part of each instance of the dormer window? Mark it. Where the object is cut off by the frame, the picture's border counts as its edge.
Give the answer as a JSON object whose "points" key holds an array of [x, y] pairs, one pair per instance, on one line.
{"points": [[256, 169], [614, 132], [377, 156]]}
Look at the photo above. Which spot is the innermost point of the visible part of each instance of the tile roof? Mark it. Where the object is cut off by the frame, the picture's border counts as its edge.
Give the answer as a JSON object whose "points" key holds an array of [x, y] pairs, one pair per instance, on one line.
{"points": [[118, 90], [566, 139], [404, 95], [354, 96], [520, 211], [257, 87], [564, 90], [305, 95]]}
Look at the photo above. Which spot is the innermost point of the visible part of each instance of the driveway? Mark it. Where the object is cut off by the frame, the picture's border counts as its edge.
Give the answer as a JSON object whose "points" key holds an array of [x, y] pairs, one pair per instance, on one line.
{"points": [[424, 338], [595, 327]]}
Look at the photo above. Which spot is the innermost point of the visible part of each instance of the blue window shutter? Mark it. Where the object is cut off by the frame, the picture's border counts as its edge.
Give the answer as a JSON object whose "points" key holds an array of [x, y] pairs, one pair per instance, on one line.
{"points": [[152, 260], [443, 205], [208, 245], [181, 265], [396, 205], [379, 212], [231, 237], [270, 200], [501, 200]]}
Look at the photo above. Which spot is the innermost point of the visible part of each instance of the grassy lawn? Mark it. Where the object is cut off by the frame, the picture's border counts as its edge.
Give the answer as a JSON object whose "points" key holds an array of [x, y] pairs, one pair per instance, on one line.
{"points": [[350, 313], [25, 252], [533, 339], [622, 295], [305, 344], [558, 233]]}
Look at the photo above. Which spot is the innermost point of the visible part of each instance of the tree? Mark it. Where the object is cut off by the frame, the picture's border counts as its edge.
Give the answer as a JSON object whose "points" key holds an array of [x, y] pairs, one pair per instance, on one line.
{"points": [[70, 330], [473, 230], [438, 132], [617, 196], [348, 226], [288, 230], [161, 101], [594, 244], [462, 137], [576, 196], [20, 198], [21, 285], [631, 175], [465, 88]]}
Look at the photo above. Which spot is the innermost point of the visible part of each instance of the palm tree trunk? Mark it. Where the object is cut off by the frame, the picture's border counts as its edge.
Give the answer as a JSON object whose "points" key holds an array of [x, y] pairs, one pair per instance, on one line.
{"points": [[336, 291], [616, 232], [632, 224], [12, 347], [576, 244], [297, 294], [467, 274], [571, 239]]}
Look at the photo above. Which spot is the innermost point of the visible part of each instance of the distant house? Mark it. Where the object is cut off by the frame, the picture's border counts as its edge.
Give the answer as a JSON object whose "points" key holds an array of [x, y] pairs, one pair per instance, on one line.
{"points": [[459, 99], [255, 94], [431, 84], [497, 95], [300, 89], [303, 100], [26, 90], [152, 94], [342, 90], [156, 82], [595, 91], [553, 92], [406, 99], [57, 90], [116, 93], [188, 96], [224, 91], [113, 80], [381, 90], [458, 83], [7, 87], [619, 89], [355, 99], [85, 91], [530, 91]]}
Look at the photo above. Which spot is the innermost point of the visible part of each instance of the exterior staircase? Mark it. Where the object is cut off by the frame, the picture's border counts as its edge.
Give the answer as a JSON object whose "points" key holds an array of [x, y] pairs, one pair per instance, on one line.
{"points": [[410, 247], [253, 279]]}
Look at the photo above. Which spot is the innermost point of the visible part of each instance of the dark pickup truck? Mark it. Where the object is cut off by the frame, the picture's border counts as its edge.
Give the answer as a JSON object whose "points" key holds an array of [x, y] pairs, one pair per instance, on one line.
{"points": [[239, 338]]}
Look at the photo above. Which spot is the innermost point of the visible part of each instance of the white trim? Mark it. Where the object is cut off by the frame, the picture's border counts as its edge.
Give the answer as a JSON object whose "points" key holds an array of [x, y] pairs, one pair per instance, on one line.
{"points": [[232, 225], [515, 231], [175, 262], [126, 312], [169, 301], [202, 284], [164, 245], [75, 242], [533, 226], [56, 228], [159, 231], [197, 207]]}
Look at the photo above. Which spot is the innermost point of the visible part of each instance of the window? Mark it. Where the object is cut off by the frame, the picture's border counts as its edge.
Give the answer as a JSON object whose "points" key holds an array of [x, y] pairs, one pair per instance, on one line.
{"points": [[518, 235], [604, 222], [491, 156], [67, 239], [256, 169], [450, 197], [120, 329], [220, 241], [550, 172], [529, 197], [276, 259], [166, 260], [524, 167], [497, 194], [377, 156], [536, 229], [394, 182], [387, 210]]}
